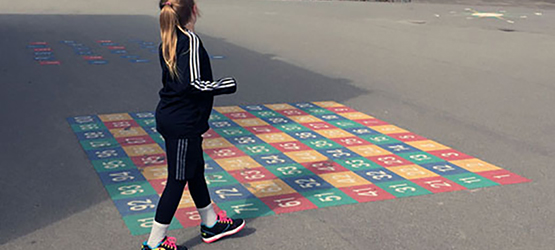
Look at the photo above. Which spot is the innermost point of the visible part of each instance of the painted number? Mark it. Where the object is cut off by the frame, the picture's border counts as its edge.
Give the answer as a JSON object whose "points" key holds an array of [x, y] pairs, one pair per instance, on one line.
{"points": [[140, 205], [131, 189]]}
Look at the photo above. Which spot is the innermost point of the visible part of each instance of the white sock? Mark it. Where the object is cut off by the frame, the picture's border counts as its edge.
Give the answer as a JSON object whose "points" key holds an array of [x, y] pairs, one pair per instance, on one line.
{"points": [[157, 234], [208, 215]]}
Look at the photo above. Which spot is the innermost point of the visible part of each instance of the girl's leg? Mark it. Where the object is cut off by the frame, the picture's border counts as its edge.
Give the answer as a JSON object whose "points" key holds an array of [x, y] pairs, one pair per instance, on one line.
{"points": [[171, 196]]}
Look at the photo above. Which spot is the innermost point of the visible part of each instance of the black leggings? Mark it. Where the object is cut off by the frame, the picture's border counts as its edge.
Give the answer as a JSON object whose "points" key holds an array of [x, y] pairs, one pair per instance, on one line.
{"points": [[185, 165]]}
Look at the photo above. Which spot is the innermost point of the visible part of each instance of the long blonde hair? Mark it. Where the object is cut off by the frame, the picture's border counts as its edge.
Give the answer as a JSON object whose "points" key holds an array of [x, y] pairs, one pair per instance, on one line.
{"points": [[173, 13]]}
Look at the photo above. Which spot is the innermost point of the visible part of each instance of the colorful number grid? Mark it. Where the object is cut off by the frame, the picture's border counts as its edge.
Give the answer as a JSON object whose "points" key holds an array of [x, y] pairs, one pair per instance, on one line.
{"points": [[270, 159]]}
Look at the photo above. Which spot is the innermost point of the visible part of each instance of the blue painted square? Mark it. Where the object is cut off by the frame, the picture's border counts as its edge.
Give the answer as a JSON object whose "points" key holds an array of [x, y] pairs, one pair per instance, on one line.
{"points": [[277, 120], [307, 183], [91, 135], [444, 168], [272, 159], [138, 205], [303, 105], [151, 130], [121, 176], [222, 124], [142, 115], [84, 53], [398, 148], [97, 62], [119, 51], [255, 108], [45, 58], [245, 140], [210, 166], [379, 175], [229, 193], [338, 153], [362, 130], [84, 119], [329, 117], [306, 135], [102, 154], [108, 44]]}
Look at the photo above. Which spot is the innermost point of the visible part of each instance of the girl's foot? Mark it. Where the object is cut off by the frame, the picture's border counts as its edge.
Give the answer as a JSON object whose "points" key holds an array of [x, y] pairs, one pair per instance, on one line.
{"points": [[168, 243], [224, 227]]}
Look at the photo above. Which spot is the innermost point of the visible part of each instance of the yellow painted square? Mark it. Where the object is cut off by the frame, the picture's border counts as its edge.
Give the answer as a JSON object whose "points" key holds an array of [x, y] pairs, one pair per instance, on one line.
{"points": [[276, 137], [334, 133], [115, 117], [412, 172], [306, 156], [369, 150], [128, 132], [237, 163], [389, 129], [427, 145], [329, 104], [186, 200], [475, 165], [155, 172], [279, 106], [305, 119], [268, 188], [344, 179], [356, 116], [142, 150], [229, 109], [216, 143], [250, 122]]}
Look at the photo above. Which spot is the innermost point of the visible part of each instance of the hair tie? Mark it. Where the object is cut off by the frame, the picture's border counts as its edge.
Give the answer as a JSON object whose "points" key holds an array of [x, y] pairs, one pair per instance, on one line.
{"points": [[168, 3]]}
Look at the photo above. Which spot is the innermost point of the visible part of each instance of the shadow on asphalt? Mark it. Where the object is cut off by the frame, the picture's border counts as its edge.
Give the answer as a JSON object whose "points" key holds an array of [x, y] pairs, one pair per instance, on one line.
{"points": [[49, 177]]}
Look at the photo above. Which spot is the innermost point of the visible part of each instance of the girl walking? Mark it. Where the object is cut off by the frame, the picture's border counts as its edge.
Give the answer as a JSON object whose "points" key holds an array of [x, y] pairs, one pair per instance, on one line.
{"points": [[186, 100]]}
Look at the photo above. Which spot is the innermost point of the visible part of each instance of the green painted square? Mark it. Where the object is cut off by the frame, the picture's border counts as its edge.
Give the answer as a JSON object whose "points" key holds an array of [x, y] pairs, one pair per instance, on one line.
{"points": [[318, 111], [345, 124], [379, 139], [231, 132], [219, 179], [158, 138], [288, 170], [87, 127], [249, 208], [217, 117], [206, 156], [130, 190], [113, 164], [471, 180], [146, 122], [99, 144], [403, 188], [328, 197], [291, 127], [260, 149], [420, 157], [323, 143], [358, 163], [265, 113], [142, 223]]}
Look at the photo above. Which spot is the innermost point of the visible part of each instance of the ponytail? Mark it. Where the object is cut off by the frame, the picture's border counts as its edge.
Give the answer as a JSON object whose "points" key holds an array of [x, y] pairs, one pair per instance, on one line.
{"points": [[172, 13]]}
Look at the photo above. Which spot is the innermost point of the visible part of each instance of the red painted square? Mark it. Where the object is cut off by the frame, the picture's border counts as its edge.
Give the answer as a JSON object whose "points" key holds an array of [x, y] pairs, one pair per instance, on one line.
{"points": [[351, 141], [450, 155], [239, 115], [50, 63], [263, 129], [150, 160], [188, 217], [438, 184], [319, 125], [324, 167], [121, 124], [135, 140], [220, 153], [42, 49], [367, 193], [406, 137], [372, 122], [291, 112], [252, 174], [288, 203], [389, 160], [158, 185], [210, 134], [290, 146], [341, 109], [503, 177]]}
